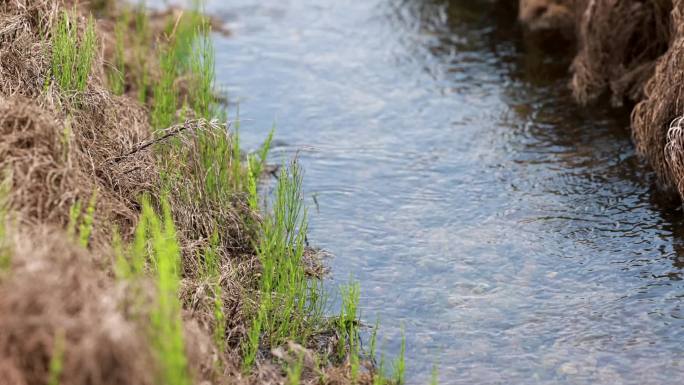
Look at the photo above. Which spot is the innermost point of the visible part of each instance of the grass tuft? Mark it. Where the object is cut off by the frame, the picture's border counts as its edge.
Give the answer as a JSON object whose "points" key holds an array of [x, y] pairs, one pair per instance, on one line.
{"points": [[379, 375], [255, 165], [74, 215], [434, 377], [184, 33], [86, 226], [166, 323], [291, 305], [72, 55], [155, 244], [141, 42], [202, 70], [250, 346], [57, 359], [294, 371], [83, 221], [117, 74], [165, 91], [400, 362], [5, 249], [374, 338], [347, 322], [211, 271], [188, 50], [258, 161], [348, 327]]}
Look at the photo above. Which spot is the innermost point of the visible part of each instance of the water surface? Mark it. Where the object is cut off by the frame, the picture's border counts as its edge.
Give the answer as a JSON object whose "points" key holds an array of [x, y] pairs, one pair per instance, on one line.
{"points": [[516, 236]]}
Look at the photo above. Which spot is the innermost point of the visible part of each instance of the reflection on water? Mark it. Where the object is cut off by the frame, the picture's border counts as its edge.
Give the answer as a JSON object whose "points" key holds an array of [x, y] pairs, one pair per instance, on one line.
{"points": [[515, 235]]}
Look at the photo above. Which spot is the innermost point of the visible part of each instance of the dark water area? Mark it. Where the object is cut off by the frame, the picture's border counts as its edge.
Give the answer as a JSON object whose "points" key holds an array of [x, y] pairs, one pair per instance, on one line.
{"points": [[516, 236]]}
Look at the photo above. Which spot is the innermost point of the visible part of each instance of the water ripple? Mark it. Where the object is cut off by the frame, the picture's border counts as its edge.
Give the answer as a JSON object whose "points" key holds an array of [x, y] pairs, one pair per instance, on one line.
{"points": [[515, 234]]}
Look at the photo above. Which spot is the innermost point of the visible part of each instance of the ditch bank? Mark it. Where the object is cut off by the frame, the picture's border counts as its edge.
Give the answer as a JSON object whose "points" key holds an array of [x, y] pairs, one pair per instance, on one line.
{"points": [[133, 246]]}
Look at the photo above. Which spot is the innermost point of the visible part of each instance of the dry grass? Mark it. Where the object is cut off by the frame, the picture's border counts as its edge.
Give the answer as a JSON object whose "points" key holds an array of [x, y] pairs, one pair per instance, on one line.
{"points": [[619, 42], [662, 104], [54, 162], [24, 60]]}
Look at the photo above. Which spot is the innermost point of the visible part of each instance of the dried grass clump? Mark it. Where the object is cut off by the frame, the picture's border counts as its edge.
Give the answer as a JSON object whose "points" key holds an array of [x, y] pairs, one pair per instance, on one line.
{"points": [[663, 102], [59, 146], [56, 161], [199, 210], [24, 59], [30, 150], [619, 42], [57, 295], [674, 154], [236, 280]]}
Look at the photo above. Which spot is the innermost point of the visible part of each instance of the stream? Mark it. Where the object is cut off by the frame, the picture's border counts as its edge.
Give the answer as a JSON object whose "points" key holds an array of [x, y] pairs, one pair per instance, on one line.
{"points": [[516, 237]]}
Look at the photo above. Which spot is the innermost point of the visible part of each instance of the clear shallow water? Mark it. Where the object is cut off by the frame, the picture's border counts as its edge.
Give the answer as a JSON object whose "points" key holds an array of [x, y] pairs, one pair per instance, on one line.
{"points": [[514, 235]]}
